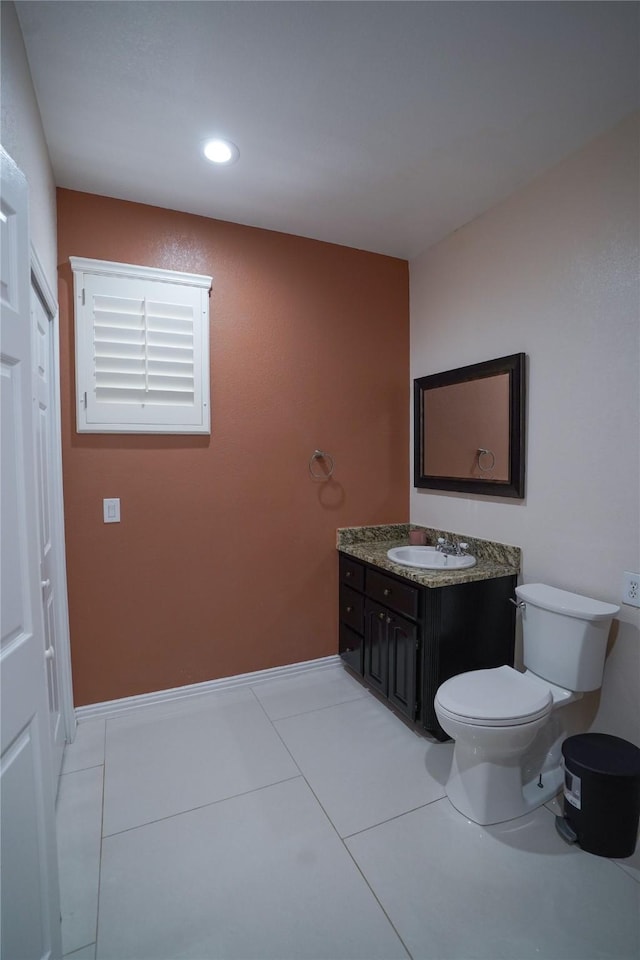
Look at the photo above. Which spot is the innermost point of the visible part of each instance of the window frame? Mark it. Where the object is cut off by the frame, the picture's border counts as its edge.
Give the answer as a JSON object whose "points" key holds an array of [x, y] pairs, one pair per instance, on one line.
{"points": [[103, 416]]}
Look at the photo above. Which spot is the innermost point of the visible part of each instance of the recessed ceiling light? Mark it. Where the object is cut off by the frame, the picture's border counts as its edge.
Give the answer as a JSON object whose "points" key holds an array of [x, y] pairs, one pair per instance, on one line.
{"points": [[221, 151]]}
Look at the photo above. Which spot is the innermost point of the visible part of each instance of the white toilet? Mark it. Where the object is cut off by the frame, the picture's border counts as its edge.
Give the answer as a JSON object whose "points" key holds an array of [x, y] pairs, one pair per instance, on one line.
{"points": [[495, 715]]}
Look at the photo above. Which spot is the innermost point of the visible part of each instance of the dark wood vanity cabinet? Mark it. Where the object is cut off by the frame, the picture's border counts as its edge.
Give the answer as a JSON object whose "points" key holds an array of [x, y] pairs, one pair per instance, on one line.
{"points": [[404, 640]]}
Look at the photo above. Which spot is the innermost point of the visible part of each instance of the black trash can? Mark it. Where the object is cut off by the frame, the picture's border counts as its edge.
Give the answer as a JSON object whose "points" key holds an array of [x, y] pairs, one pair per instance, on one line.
{"points": [[601, 794]]}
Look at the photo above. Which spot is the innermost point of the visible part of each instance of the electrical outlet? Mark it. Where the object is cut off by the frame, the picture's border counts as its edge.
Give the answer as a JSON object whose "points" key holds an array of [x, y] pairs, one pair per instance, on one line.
{"points": [[631, 589]]}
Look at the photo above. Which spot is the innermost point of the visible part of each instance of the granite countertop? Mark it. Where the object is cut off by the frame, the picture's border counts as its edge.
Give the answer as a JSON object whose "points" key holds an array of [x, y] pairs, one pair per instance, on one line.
{"points": [[371, 544]]}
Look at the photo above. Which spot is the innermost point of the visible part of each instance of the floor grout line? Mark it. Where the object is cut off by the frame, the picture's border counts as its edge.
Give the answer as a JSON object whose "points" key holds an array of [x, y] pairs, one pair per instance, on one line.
{"points": [[376, 898], [70, 956], [405, 813], [75, 773], [90, 766], [200, 806], [305, 713], [104, 782], [335, 829]]}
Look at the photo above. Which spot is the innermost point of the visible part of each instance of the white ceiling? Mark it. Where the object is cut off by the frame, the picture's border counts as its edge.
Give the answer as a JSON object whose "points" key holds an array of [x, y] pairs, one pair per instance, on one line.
{"points": [[380, 125]]}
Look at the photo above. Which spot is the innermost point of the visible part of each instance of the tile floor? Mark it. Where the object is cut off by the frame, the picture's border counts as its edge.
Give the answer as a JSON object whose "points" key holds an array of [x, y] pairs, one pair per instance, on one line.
{"points": [[299, 818]]}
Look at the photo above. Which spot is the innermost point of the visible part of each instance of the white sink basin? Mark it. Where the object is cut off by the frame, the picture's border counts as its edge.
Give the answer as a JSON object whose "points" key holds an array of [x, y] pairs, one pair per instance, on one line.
{"points": [[428, 558]]}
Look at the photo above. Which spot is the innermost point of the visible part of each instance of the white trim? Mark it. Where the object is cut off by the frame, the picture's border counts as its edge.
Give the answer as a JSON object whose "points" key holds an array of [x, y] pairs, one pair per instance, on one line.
{"points": [[41, 286], [115, 708], [39, 279], [126, 380], [109, 269]]}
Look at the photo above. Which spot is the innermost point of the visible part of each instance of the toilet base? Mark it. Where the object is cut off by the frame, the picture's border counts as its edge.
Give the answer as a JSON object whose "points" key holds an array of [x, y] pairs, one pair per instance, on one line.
{"points": [[487, 792]]}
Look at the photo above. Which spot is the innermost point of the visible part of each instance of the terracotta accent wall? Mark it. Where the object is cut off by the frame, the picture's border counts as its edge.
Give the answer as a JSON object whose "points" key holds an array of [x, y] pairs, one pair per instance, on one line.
{"points": [[224, 561]]}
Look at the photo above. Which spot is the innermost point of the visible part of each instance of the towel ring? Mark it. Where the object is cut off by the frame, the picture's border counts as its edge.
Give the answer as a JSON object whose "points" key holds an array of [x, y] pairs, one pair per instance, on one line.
{"points": [[482, 452], [321, 455]]}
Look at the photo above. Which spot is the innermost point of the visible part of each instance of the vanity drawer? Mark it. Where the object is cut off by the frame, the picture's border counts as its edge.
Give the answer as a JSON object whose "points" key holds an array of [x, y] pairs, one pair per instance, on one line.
{"points": [[352, 573], [352, 608], [351, 648], [398, 596]]}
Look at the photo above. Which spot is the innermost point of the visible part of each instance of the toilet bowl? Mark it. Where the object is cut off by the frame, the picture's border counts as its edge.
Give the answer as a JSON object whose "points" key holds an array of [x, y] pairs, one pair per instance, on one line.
{"points": [[495, 715]]}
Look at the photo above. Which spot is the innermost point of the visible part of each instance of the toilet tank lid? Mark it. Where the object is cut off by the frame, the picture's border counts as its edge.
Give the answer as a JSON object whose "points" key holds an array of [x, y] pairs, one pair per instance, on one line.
{"points": [[561, 601]]}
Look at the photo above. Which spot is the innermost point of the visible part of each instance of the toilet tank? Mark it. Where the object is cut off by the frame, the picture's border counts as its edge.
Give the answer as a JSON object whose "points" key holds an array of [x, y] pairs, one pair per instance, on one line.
{"points": [[564, 635]]}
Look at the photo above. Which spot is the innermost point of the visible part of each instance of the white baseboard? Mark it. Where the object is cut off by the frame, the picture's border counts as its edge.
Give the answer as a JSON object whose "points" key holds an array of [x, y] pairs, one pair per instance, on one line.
{"points": [[114, 708]]}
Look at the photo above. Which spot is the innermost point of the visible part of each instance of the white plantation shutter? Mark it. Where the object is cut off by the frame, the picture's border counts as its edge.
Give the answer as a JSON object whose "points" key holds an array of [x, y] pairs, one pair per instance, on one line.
{"points": [[142, 349]]}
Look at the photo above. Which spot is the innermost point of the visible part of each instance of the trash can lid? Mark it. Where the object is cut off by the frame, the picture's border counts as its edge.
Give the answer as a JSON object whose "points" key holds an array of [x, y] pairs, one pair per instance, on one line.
{"points": [[602, 753]]}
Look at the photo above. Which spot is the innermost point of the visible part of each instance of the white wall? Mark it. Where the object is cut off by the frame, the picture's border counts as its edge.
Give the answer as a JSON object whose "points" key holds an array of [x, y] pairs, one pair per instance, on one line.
{"points": [[553, 272], [22, 137]]}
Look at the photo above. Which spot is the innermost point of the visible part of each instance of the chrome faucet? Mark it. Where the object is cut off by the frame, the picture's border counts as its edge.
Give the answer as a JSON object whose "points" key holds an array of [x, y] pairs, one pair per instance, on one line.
{"points": [[451, 548]]}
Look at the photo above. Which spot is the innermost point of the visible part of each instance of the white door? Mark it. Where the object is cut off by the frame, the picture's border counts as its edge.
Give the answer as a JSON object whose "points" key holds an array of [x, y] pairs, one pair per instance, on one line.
{"points": [[45, 438], [30, 908]]}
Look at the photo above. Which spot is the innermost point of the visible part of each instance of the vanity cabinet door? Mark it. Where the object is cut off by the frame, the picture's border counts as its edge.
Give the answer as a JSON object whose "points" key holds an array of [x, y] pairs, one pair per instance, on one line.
{"points": [[376, 646], [390, 656], [402, 638]]}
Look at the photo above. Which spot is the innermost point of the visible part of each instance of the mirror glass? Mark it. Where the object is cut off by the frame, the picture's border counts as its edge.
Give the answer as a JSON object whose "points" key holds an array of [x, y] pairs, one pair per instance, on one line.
{"points": [[469, 428]]}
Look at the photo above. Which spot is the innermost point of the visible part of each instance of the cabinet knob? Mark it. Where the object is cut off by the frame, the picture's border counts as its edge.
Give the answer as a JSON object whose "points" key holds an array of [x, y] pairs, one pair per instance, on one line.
{"points": [[381, 616], [388, 619], [348, 573], [386, 592], [349, 609]]}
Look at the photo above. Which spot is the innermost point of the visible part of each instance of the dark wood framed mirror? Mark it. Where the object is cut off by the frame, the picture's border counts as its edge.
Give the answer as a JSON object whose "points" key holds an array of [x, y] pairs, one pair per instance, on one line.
{"points": [[469, 428]]}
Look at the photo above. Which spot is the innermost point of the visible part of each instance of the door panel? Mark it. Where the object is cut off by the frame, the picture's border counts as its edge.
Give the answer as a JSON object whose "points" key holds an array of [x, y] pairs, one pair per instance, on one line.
{"points": [[43, 386], [30, 899]]}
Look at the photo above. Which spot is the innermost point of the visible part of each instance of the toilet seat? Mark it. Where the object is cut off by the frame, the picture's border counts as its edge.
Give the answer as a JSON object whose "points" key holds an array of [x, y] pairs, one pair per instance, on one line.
{"points": [[499, 697]]}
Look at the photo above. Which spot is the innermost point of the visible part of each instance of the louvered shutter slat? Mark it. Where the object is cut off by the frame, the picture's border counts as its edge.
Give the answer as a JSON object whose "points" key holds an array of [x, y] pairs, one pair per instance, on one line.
{"points": [[169, 397], [113, 364], [171, 339], [153, 398]]}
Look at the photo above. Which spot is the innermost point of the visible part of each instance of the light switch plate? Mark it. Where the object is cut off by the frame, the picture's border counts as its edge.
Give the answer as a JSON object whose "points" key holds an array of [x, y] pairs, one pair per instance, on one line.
{"points": [[111, 510]]}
